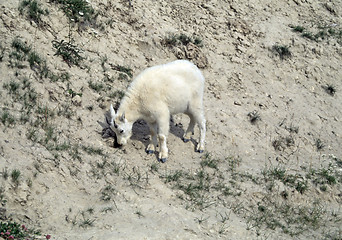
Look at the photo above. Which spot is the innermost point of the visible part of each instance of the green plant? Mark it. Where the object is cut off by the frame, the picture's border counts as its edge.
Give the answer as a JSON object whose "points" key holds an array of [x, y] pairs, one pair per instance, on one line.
{"points": [[292, 128], [202, 219], [181, 39], [116, 167], [139, 213], [296, 181], [2, 52], [208, 161], [12, 87], [33, 10], [254, 116], [70, 53], [19, 53], [4, 173], [320, 32], [319, 144], [282, 50], [117, 94], [107, 209], [65, 110], [125, 70], [330, 89], [281, 143], [2, 197], [173, 176], [7, 119], [104, 60], [301, 185], [76, 10], [97, 87], [34, 59], [20, 46], [107, 193], [291, 219], [154, 167], [93, 150], [15, 175], [32, 135], [72, 93], [297, 28], [87, 223], [136, 178], [309, 35], [325, 175], [233, 163], [63, 77], [13, 230]]}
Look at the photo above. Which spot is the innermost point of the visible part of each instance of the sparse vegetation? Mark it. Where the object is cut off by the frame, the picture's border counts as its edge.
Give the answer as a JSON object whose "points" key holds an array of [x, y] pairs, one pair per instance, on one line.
{"points": [[320, 32], [289, 218], [296, 181], [48, 112]]}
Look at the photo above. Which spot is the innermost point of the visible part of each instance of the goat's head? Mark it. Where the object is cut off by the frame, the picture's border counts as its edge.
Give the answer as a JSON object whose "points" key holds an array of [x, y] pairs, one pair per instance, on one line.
{"points": [[120, 125]]}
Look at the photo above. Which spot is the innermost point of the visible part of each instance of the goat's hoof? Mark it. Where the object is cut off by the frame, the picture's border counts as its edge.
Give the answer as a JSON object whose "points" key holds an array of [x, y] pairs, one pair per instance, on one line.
{"points": [[163, 160], [149, 151], [186, 140]]}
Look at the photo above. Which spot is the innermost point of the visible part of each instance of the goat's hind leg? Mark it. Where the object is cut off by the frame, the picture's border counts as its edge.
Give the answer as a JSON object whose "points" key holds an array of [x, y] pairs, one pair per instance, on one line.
{"points": [[151, 147], [190, 130], [200, 120]]}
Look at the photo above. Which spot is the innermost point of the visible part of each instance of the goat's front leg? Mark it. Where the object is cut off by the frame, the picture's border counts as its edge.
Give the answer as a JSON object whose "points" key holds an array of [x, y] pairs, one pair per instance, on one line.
{"points": [[163, 153]]}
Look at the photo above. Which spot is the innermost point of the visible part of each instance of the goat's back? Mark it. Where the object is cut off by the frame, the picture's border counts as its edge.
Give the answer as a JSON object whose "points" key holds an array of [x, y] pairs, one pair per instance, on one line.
{"points": [[175, 84]]}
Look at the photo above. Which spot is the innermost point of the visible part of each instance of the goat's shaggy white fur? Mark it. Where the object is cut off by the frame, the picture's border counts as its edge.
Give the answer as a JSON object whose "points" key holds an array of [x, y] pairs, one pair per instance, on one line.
{"points": [[154, 95]]}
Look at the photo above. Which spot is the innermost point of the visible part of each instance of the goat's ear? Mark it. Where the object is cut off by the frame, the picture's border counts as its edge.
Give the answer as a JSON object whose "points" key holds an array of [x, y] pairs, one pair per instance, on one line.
{"points": [[122, 118], [112, 111]]}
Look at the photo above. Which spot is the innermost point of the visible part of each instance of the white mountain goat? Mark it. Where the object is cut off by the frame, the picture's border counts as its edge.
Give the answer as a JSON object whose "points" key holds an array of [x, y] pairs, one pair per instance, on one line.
{"points": [[154, 95]]}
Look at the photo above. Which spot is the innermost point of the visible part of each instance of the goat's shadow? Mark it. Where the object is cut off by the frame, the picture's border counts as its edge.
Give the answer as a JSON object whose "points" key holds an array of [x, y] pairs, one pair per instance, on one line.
{"points": [[140, 131]]}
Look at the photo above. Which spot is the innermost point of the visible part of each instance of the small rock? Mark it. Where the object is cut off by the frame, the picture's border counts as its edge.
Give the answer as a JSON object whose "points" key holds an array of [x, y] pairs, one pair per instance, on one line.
{"points": [[237, 103], [77, 101]]}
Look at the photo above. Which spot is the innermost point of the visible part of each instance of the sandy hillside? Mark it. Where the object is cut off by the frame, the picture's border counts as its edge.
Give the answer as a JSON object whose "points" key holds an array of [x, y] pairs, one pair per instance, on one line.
{"points": [[273, 104]]}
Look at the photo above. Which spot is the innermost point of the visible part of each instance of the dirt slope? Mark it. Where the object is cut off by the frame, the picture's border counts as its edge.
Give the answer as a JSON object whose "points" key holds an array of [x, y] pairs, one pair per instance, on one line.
{"points": [[273, 105]]}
